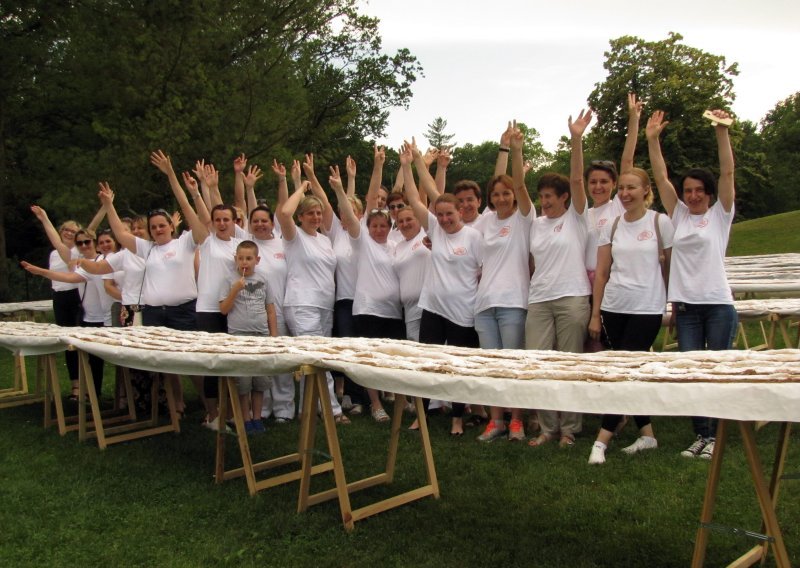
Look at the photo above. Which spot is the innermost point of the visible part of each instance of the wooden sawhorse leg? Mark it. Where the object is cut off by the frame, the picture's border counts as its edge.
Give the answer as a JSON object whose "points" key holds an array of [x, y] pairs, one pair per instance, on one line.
{"points": [[766, 495], [230, 395], [342, 488]]}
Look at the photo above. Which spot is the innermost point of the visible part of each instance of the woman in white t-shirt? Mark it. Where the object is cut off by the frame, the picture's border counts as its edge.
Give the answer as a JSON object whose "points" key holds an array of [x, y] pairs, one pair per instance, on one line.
{"points": [[558, 298], [451, 283], [311, 265], [629, 290], [94, 301], [698, 286], [376, 304], [502, 299], [411, 260]]}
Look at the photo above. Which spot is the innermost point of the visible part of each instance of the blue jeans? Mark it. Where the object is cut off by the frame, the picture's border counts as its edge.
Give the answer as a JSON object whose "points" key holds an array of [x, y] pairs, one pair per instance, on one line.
{"points": [[501, 328], [705, 327]]}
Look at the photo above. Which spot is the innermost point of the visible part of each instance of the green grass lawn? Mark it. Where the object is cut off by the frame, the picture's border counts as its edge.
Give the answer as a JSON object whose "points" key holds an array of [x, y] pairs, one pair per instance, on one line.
{"points": [[153, 502], [768, 235]]}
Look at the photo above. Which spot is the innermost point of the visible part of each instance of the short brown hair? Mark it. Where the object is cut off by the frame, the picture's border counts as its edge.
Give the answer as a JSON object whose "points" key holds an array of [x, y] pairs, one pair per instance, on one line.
{"points": [[467, 185]]}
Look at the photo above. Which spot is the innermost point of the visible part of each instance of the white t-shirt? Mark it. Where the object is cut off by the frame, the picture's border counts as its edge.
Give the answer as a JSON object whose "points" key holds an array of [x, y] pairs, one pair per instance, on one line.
{"points": [[477, 222], [396, 236], [599, 217], [452, 280], [57, 264], [273, 267], [131, 268], [346, 261], [377, 285], [635, 284], [504, 277], [411, 261], [558, 247], [96, 302], [697, 274], [217, 265], [169, 271], [311, 266]]}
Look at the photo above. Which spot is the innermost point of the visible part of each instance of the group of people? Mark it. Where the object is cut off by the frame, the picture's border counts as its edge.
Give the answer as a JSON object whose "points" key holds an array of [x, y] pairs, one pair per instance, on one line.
{"points": [[422, 264]]}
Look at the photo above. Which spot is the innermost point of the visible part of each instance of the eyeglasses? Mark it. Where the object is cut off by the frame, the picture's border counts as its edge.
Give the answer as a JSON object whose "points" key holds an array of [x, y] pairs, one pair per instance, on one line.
{"points": [[83, 243], [394, 206]]}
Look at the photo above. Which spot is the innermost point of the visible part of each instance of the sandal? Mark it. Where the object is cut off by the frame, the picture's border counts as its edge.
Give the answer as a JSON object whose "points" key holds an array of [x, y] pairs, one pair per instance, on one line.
{"points": [[341, 419], [540, 440], [566, 441], [380, 415]]}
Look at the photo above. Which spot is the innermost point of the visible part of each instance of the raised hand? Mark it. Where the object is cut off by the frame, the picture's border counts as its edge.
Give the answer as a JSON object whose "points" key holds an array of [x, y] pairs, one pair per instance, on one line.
{"points": [[579, 125], [200, 170], [634, 106], [526, 167], [296, 173], [105, 194], [723, 115], [190, 183], [516, 139], [212, 176], [278, 168], [379, 155], [444, 158], [350, 167], [308, 166], [176, 220], [39, 213], [430, 156], [505, 137], [239, 164], [406, 154], [335, 179], [655, 124], [253, 175], [160, 160]]}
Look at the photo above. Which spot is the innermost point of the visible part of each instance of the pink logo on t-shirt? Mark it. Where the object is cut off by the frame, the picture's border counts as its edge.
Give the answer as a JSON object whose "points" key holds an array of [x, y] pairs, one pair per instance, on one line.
{"points": [[557, 228], [703, 222], [459, 251], [645, 236], [602, 222], [504, 231], [279, 256], [416, 245], [168, 255]]}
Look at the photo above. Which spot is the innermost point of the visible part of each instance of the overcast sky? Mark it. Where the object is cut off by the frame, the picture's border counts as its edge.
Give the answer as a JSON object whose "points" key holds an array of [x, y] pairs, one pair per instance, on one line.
{"points": [[537, 61]]}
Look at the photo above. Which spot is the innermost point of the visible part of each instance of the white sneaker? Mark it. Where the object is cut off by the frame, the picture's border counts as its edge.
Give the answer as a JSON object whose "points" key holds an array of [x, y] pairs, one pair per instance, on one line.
{"points": [[214, 425], [598, 454], [694, 450], [708, 451], [642, 443]]}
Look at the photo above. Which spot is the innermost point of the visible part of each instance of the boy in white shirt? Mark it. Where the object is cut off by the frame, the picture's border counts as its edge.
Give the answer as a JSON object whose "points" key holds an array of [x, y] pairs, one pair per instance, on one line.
{"points": [[250, 308]]}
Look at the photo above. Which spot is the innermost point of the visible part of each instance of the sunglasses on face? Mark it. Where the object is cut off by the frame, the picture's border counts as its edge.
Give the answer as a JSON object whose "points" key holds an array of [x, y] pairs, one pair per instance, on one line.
{"points": [[394, 206], [83, 243]]}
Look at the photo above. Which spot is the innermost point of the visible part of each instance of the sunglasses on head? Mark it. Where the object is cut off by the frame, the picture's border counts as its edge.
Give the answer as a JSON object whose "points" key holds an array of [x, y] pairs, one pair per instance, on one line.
{"points": [[82, 243]]}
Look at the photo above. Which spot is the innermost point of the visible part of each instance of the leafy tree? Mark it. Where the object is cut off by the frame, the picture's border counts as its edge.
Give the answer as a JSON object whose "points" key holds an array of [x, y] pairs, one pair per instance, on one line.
{"points": [[780, 132], [436, 135], [91, 87]]}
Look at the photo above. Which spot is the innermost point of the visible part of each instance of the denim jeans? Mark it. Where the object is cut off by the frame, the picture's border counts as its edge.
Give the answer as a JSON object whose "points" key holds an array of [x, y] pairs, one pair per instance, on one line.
{"points": [[501, 328], [701, 327]]}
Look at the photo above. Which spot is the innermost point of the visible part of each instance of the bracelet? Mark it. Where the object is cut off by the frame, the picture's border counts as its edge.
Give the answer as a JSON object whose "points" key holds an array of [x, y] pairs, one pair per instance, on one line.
{"points": [[504, 149]]}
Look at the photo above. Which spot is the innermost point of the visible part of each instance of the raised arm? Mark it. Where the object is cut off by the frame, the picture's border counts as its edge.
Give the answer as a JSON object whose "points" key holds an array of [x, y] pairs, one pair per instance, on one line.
{"points": [[285, 212], [350, 167], [94, 266], [629, 150], [426, 181], [442, 163], [375, 179], [410, 187], [52, 233], [200, 172], [666, 191], [251, 177], [97, 219], [516, 141], [239, 164], [576, 185], [69, 277], [164, 164], [202, 211], [120, 230], [501, 165], [726, 186], [345, 206], [212, 179], [318, 192], [283, 187]]}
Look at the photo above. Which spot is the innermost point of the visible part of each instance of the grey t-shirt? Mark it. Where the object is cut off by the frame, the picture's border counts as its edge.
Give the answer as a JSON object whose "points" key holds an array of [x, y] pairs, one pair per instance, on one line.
{"points": [[249, 311]]}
